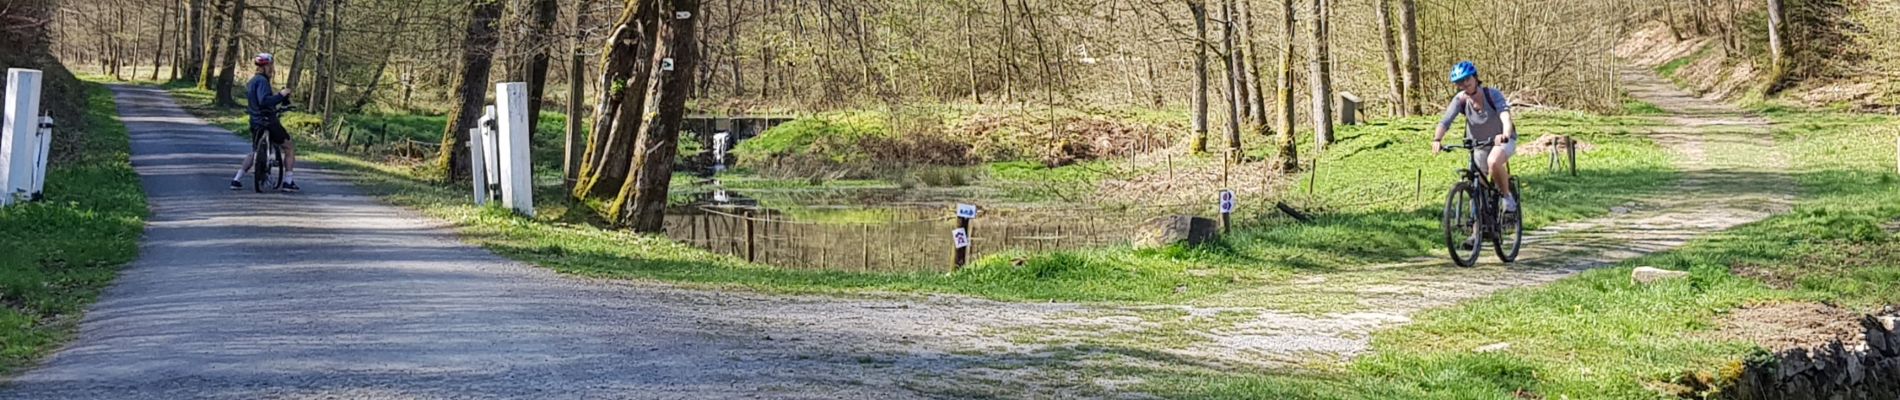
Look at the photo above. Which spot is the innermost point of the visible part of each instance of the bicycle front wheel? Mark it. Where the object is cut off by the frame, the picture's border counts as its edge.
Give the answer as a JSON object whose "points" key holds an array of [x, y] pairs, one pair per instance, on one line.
{"points": [[1461, 226], [1510, 228]]}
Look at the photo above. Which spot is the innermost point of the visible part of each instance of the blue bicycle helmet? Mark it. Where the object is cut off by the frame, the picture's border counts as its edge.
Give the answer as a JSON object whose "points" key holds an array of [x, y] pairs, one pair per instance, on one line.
{"points": [[1463, 70]]}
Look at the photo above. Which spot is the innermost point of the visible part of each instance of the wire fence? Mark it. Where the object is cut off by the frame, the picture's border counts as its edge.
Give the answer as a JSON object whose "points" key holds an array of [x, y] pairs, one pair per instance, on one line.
{"points": [[917, 239]]}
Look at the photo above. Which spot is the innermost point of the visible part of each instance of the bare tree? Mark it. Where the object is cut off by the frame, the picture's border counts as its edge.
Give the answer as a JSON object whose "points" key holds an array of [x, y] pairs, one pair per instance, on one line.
{"points": [[540, 17], [222, 95], [471, 87], [303, 39], [195, 51], [1777, 49], [1320, 62], [1289, 148], [1236, 91], [1400, 103], [1199, 9], [1408, 21]]}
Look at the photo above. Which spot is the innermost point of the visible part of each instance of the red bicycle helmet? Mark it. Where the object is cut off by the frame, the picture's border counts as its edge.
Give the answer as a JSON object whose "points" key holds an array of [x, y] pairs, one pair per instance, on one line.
{"points": [[263, 59]]}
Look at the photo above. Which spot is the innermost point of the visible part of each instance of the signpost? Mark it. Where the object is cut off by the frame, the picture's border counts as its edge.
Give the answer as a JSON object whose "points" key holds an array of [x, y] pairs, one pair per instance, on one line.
{"points": [[961, 236], [1226, 210]]}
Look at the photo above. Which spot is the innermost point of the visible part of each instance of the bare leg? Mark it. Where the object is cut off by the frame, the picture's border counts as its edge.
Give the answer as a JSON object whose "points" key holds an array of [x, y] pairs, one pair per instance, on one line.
{"points": [[248, 159], [290, 156], [1500, 172]]}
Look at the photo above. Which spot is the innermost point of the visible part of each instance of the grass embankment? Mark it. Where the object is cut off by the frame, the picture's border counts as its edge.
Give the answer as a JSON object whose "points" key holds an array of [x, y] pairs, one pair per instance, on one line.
{"points": [[1622, 166], [56, 255], [1598, 335]]}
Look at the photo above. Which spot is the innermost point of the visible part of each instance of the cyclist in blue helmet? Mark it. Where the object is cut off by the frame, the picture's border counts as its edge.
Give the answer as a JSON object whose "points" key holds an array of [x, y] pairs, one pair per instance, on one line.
{"points": [[1487, 118]]}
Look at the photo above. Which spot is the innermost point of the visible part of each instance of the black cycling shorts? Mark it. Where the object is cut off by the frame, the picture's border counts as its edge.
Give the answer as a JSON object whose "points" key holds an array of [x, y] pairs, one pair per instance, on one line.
{"points": [[277, 133]]}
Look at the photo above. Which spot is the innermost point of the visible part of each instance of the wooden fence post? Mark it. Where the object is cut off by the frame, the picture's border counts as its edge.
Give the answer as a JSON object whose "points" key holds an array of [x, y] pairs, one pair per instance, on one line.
{"points": [[751, 249]]}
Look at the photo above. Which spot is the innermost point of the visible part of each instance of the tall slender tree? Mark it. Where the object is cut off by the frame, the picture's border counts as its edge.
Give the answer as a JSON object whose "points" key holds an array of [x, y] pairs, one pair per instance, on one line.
{"points": [[1199, 9], [1236, 90], [1289, 143], [540, 17], [1320, 62], [226, 72], [1777, 48], [1408, 41], [1400, 103], [195, 50], [310, 20], [471, 86]]}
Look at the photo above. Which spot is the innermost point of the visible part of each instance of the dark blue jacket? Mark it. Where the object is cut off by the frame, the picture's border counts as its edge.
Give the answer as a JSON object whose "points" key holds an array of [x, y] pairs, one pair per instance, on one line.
{"points": [[263, 101]]}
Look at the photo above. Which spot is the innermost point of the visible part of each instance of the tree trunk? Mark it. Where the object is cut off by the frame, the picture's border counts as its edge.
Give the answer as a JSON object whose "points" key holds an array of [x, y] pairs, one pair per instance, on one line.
{"points": [[969, 42], [1257, 110], [1400, 104], [643, 197], [535, 71], [1236, 91], [158, 52], [1408, 21], [1320, 63], [227, 72], [576, 68], [208, 73], [195, 51], [471, 87], [624, 75], [1777, 49], [1199, 9], [1289, 149], [303, 39]]}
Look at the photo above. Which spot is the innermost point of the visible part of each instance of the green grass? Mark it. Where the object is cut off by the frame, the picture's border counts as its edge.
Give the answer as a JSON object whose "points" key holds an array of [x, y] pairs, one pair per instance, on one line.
{"points": [[1668, 69], [56, 255], [1623, 166], [1597, 335]]}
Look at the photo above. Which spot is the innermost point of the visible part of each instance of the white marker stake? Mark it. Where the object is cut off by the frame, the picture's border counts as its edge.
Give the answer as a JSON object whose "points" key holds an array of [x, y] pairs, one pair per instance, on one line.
{"points": [[477, 165], [966, 211], [517, 187], [18, 135], [961, 237], [491, 147], [45, 151]]}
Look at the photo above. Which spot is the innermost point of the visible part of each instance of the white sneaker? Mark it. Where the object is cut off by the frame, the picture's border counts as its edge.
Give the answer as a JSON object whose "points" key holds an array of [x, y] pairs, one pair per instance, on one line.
{"points": [[1510, 205]]}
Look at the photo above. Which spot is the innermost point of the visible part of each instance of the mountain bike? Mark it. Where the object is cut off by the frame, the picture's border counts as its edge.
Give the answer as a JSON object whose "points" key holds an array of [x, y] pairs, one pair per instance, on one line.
{"points": [[1472, 214], [268, 167]]}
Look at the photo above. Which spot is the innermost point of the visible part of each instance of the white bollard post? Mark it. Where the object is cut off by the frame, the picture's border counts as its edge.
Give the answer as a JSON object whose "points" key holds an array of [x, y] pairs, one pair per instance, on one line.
{"points": [[477, 165], [517, 175], [18, 137], [491, 149], [38, 191]]}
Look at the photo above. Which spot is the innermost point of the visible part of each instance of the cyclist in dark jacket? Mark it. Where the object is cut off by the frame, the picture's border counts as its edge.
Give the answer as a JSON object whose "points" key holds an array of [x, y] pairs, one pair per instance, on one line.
{"points": [[263, 104]]}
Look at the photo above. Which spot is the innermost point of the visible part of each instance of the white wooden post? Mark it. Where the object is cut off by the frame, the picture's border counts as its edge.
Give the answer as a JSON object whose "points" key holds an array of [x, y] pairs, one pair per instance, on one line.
{"points": [[517, 187], [477, 165], [38, 191], [18, 137], [491, 151]]}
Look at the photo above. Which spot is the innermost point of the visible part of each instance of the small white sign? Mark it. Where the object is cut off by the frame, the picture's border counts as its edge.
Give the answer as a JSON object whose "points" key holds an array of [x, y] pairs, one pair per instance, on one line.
{"points": [[1226, 202], [666, 64], [961, 237], [966, 211], [682, 14]]}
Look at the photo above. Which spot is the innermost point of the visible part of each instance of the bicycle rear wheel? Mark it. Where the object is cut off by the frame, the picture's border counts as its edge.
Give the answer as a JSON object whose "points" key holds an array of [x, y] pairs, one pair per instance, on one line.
{"points": [[277, 166], [260, 164], [1510, 229], [1460, 223]]}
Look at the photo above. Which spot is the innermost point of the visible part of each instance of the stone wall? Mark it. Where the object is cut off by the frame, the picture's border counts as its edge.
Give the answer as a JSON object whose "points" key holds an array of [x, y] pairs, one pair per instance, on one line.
{"points": [[1868, 369]]}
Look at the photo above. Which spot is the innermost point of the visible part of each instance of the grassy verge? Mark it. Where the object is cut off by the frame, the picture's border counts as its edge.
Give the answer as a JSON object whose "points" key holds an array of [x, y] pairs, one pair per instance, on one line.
{"points": [[1368, 160], [56, 255], [1597, 335]]}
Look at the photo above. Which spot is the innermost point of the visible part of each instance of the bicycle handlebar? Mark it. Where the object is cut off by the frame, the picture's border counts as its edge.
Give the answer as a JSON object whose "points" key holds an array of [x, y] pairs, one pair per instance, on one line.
{"points": [[1468, 145]]}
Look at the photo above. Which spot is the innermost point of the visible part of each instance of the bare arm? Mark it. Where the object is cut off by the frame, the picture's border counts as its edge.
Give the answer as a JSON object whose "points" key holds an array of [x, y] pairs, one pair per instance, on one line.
{"points": [[1510, 127]]}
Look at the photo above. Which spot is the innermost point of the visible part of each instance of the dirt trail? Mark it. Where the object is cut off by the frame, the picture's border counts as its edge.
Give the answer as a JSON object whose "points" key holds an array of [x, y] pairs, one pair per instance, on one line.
{"points": [[237, 295], [1730, 176]]}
